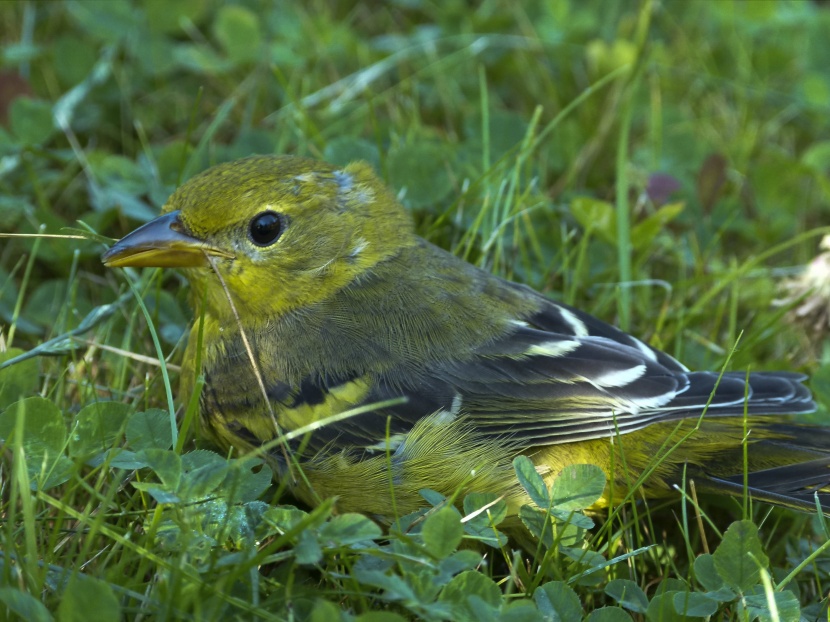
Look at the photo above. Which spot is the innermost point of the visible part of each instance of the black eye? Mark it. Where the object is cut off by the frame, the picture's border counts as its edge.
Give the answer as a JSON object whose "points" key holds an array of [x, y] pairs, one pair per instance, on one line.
{"points": [[265, 228]]}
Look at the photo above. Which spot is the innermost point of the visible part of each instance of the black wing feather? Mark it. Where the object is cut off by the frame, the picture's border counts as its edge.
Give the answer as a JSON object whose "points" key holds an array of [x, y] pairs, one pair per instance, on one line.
{"points": [[554, 375]]}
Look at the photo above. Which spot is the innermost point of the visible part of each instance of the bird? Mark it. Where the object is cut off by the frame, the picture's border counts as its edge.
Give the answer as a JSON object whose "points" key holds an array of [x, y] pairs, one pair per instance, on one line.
{"points": [[368, 364]]}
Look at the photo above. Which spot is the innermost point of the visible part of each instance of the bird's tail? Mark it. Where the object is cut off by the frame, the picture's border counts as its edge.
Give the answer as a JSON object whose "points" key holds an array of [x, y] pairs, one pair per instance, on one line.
{"points": [[785, 463], [769, 456], [789, 466]]}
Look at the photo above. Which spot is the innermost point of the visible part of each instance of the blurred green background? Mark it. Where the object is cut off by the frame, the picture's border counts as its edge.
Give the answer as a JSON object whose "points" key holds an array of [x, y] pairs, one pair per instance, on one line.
{"points": [[663, 165]]}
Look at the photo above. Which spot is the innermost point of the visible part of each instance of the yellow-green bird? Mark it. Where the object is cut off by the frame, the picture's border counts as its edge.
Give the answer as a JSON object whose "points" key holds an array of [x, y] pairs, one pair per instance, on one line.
{"points": [[320, 298]]}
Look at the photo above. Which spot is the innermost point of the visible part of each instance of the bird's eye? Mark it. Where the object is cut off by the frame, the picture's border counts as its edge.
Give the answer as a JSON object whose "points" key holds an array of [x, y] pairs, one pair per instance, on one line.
{"points": [[265, 228]]}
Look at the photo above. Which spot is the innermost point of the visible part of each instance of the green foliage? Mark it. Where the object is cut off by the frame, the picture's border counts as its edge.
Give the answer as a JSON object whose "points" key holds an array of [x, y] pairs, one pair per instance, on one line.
{"points": [[35, 429], [442, 532], [496, 124], [628, 594], [558, 602], [26, 606], [740, 558], [80, 593], [18, 380], [600, 217], [557, 523]]}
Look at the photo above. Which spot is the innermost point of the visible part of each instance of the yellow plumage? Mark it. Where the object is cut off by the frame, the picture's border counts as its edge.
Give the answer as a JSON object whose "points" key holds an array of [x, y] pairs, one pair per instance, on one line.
{"points": [[319, 298]]}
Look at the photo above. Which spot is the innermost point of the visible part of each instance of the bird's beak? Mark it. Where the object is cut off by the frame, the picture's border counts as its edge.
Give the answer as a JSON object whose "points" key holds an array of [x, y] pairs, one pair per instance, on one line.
{"points": [[161, 243]]}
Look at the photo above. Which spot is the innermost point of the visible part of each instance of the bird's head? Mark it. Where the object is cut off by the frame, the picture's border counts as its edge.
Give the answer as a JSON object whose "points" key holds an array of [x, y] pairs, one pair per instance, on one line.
{"points": [[283, 232]]}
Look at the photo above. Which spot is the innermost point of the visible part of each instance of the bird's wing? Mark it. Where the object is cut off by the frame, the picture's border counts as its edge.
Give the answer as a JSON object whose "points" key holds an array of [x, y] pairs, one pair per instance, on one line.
{"points": [[566, 376], [561, 376], [570, 389], [562, 319]]}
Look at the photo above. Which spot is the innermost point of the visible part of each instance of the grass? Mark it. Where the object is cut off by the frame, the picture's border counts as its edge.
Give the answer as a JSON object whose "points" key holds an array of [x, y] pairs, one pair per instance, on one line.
{"points": [[661, 165]]}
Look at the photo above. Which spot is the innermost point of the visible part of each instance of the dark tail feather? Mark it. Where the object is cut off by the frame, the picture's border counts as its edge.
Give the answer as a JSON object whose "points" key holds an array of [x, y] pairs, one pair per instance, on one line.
{"points": [[795, 487], [801, 472]]}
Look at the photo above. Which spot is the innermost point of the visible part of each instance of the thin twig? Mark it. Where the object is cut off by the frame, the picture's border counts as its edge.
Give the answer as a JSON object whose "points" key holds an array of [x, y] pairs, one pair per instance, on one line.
{"points": [[149, 360], [45, 235], [704, 542]]}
